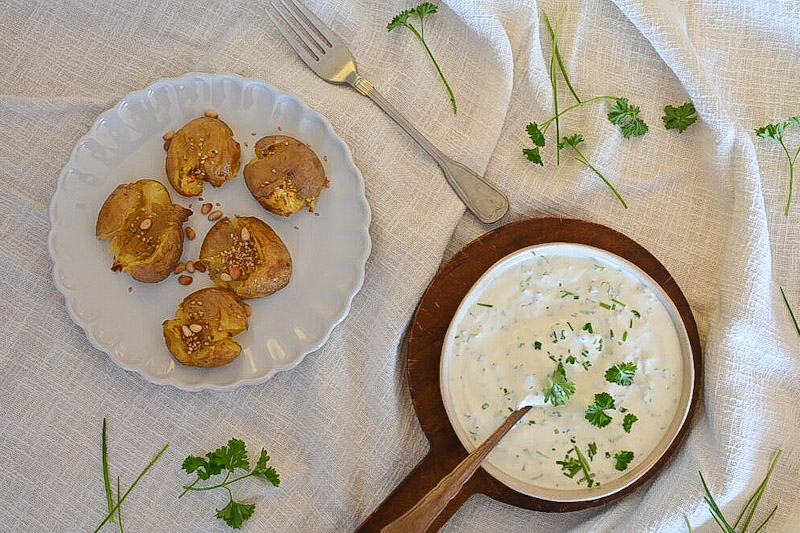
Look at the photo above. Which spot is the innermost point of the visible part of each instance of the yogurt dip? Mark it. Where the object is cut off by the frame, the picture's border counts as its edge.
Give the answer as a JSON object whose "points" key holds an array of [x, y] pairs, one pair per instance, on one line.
{"points": [[588, 339]]}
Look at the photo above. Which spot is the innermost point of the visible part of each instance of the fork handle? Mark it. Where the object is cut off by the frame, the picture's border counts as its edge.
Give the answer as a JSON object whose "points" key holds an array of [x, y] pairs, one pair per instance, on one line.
{"points": [[482, 198]]}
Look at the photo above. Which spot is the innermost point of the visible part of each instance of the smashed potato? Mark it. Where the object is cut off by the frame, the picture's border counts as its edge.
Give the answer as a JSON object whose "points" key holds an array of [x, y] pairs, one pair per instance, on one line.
{"points": [[285, 176], [246, 256], [201, 334], [202, 150], [145, 228]]}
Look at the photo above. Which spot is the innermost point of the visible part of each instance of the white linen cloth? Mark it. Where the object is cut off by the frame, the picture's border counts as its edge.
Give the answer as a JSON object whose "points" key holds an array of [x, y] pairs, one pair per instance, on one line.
{"points": [[340, 427]]}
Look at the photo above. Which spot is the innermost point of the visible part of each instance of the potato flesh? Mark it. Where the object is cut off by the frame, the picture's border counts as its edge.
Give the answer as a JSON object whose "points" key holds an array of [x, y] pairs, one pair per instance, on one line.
{"points": [[202, 150], [218, 315], [145, 230]]}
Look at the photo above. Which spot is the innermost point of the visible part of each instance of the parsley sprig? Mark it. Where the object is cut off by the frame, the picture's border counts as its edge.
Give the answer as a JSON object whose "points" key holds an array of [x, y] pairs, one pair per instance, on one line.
{"points": [[573, 142], [622, 113], [402, 19], [559, 388], [791, 313], [774, 132], [679, 118], [227, 459]]}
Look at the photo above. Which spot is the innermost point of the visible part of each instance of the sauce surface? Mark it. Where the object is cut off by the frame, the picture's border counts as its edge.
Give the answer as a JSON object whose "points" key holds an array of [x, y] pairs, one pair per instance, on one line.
{"points": [[573, 312]]}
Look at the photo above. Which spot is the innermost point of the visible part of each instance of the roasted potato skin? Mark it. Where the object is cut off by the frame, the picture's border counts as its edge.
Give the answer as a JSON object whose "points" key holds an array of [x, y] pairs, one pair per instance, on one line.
{"points": [[202, 150], [145, 230], [217, 315], [285, 176], [246, 256]]}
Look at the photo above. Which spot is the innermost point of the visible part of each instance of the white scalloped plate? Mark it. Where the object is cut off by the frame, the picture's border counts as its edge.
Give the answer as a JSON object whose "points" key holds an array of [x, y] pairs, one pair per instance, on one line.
{"points": [[123, 317]]}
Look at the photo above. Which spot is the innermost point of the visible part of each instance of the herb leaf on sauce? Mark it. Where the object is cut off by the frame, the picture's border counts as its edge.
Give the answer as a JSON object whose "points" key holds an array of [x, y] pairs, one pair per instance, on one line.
{"points": [[623, 457], [628, 421], [621, 373], [559, 388], [596, 413]]}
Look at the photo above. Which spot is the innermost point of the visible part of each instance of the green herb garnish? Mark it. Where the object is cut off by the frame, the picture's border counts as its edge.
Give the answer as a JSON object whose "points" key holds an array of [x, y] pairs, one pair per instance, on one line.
{"points": [[227, 459], [628, 421], [679, 118], [596, 413], [401, 19], [791, 313], [588, 327], [774, 132], [592, 450], [623, 457], [484, 305], [626, 116], [537, 345], [747, 512], [621, 373], [116, 507], [570, 466], [559, 388]]}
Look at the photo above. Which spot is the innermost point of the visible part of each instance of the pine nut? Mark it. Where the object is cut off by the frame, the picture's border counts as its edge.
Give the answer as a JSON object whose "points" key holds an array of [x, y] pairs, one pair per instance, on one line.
{"points": [[247, 309], [206, 209], [211, 113], [225, 277], [196, 328], [190, 233], [190, 267], [245, 234], [180, 267], [184, 280], [200, 267], [215, 215], [146, 223]]}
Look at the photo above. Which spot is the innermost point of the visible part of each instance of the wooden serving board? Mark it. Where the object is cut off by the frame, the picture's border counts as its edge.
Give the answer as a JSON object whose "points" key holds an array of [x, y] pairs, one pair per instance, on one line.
{"points": [[429, 326]]}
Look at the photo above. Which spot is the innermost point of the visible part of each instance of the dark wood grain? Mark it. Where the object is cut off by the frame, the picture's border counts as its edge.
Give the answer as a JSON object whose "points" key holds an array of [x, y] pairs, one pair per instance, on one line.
{"points": [[428, 328]]}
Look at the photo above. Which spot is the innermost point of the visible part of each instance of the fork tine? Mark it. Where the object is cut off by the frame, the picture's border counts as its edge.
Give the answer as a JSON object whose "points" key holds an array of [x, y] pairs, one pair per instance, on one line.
{"points": [[290, 34], [312, 22], [301, 27]]}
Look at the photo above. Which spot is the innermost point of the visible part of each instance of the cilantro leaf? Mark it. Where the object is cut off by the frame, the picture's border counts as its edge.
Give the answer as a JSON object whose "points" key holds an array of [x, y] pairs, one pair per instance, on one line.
{"points": [[204, 468], [621, 373], [773, 132], [679, 118], [623, 457], [626, 116], [230, 457], [559, 388], [596, 413], [535, 134], [264, 472], [533, 155], [537, 138], [628, 421], [401, 19], [572, 141], [236, 513], [425, 8]]}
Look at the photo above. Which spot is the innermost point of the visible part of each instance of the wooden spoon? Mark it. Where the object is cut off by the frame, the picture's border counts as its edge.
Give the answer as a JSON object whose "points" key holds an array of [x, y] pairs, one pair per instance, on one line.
{"points": [[419, 517]]}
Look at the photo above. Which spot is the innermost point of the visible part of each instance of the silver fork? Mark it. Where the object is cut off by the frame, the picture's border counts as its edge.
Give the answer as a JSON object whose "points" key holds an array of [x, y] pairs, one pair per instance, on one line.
{"points": [[327, 55]]}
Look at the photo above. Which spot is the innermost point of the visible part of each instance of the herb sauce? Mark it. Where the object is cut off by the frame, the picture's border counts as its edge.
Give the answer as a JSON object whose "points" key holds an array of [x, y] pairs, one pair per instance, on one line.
{"points": [[552, 304]]}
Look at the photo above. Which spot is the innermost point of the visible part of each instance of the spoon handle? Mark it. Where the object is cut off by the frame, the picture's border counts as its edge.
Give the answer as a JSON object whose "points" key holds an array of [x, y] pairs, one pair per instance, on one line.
{"points": [[419, 517]]}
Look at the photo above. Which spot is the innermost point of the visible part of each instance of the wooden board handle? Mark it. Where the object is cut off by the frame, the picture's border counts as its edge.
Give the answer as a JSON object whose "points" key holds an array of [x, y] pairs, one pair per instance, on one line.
{"points": [[419, 517], [419, 481]]}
